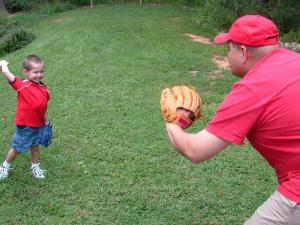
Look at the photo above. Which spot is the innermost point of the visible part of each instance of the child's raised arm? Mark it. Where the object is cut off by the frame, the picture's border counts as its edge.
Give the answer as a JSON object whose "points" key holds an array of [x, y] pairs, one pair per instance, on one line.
{"points": [[4, 69]]}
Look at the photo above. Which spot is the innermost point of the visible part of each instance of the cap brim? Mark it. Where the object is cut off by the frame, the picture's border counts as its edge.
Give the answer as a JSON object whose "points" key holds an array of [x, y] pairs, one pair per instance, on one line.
{"points": [[221, 38]]}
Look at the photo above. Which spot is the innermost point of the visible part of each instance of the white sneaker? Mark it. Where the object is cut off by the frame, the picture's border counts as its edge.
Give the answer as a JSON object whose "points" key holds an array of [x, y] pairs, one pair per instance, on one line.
{"points": [[4, 172], [37, 172]]}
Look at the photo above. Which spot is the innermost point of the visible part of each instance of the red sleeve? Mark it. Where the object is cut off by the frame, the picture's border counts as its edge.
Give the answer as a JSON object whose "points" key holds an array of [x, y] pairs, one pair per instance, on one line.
{"points": [[236, 115], [17, 84]]}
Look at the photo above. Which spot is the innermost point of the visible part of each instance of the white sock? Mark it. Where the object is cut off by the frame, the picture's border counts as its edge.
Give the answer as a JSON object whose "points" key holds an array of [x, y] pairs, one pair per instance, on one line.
{"points": [[6, 164]]}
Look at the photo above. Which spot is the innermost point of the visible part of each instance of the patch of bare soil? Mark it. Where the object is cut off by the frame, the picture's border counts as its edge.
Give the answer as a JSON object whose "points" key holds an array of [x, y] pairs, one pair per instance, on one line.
{"points": [[215, 74], [194, 72], [222, 64], [174, 19], [12, 14], [200, 39], [221, 61], [62, 19]]}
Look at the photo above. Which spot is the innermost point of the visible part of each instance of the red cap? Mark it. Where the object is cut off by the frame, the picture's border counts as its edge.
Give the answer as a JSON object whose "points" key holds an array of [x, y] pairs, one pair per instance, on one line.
{"points": [[251, 30]]}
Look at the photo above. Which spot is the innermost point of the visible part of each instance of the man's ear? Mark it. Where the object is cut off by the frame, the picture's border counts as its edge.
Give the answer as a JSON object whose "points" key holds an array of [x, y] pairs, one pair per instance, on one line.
{"points": [[244, 53]]}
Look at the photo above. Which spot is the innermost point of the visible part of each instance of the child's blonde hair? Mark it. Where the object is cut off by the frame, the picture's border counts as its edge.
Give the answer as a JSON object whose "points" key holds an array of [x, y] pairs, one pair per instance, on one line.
{"points": [[27, 64]]}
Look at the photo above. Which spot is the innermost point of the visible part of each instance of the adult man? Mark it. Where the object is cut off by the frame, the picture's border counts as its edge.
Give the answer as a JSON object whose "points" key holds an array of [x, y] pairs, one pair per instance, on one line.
{"points": [[264, 107]]}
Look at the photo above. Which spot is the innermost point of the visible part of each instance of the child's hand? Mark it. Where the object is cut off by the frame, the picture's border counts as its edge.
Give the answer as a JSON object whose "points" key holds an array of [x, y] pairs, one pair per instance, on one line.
{"points": [[3, 66]]}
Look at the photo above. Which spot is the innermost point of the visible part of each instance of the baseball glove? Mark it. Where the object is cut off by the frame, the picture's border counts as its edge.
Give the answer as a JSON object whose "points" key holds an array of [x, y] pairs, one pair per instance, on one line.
{"points": [[46, 135], [180, 105]]}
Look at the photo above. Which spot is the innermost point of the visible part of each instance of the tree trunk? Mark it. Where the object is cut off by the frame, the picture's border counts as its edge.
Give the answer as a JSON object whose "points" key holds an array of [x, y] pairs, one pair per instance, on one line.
{"points": [[141, 2], [91, 3], [3, 10]]}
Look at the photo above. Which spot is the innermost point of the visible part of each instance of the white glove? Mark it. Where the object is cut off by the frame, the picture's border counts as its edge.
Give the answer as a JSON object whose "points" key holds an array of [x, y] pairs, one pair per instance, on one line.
{"points": [[3, 66]]}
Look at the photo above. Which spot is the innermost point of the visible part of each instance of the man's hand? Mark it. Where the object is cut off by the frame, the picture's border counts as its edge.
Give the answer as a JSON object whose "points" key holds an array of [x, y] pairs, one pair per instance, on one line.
{"points": [[186, 112]]}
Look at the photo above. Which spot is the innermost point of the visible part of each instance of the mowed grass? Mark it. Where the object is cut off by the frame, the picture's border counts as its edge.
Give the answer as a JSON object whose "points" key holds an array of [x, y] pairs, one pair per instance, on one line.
{"points": [[111, 162]]}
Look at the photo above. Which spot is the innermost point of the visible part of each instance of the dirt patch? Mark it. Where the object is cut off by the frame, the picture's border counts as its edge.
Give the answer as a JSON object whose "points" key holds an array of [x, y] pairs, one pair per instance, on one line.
{"points": [[62, 19], [11, 14], [205, 93], [221, 61], [175, 19], [175, 22], [215, 74], [194, 72], [200, 39]]}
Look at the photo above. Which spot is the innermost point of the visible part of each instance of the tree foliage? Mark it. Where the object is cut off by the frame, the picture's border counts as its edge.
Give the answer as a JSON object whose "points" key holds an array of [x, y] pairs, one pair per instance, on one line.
{"points": [[285, 13]]}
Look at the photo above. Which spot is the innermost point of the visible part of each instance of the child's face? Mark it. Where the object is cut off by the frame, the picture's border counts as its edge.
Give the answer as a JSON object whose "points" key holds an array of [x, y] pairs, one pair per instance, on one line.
{"points": [[36, 73]]}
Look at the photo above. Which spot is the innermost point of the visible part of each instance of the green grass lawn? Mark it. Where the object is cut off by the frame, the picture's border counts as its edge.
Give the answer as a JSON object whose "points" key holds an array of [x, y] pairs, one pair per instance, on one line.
{"points": [[111, 162]]}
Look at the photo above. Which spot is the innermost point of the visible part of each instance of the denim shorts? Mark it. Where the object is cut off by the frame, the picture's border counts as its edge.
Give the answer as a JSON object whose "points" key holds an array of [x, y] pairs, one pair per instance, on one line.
{"points": [[25, 137]]}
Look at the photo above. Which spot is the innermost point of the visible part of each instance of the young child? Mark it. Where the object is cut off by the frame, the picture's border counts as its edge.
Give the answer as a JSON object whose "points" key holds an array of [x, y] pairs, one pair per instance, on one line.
{"points": [[33, 97]]}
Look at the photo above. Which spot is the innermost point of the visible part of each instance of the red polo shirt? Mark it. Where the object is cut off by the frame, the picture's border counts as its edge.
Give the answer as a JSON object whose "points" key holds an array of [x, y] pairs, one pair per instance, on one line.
{"points": [[32, 102], [265, 108]]}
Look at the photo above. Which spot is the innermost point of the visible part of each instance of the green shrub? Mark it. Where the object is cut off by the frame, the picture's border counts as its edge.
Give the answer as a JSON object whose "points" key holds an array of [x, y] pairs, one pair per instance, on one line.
{"points": [[55, 8], [286, 16], [221, 13], [189, 2], [79, 2], [13, 6], [13, 37], [292, 36], [87, 2]]}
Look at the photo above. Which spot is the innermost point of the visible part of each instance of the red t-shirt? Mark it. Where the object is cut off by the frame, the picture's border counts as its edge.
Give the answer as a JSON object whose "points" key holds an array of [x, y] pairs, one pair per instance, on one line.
{"points": [[265, 107], [32, 102]]}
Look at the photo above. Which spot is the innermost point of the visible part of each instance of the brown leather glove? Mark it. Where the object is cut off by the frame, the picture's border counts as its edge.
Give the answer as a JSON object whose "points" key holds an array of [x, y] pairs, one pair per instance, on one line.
{"points": [[180, 105]]}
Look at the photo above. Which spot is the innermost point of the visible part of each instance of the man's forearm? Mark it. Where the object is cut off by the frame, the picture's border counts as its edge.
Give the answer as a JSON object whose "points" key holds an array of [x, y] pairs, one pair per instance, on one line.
{"points": [[195, 147], [179, 139], [174, 135]]}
